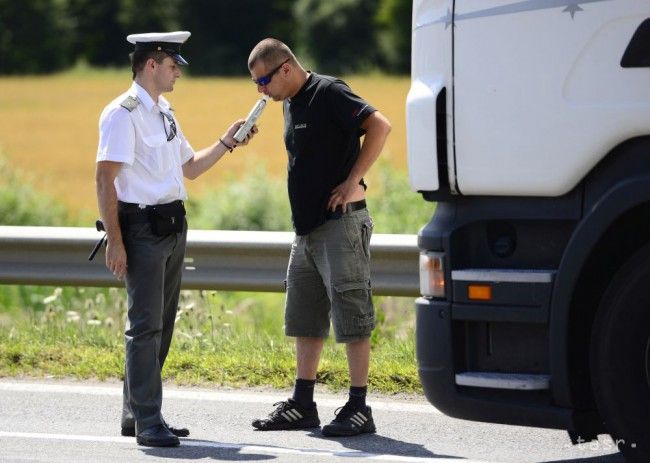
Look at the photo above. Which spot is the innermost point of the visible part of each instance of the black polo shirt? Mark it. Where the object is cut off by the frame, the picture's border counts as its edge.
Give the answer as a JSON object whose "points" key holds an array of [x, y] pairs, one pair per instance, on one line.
{"points": [[321, 133]]}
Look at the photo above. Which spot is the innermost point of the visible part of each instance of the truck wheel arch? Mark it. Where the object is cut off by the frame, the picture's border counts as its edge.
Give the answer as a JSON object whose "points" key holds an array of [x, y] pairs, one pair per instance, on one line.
{"points": [[573, 305]]}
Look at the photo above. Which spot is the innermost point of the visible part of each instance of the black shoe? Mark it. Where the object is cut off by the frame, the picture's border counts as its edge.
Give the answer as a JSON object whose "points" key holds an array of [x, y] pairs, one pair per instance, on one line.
{"points": [[289, 415], [129, 431], [350, 421], [157, 436]]}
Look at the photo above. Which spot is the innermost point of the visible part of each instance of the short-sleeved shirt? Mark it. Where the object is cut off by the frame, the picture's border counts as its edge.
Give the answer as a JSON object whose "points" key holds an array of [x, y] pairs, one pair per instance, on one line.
{"points": [[322, 128], [152, 171]]}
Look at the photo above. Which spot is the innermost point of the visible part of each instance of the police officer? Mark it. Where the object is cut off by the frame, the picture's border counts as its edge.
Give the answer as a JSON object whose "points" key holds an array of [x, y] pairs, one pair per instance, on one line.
{"points": [[142, 158]]}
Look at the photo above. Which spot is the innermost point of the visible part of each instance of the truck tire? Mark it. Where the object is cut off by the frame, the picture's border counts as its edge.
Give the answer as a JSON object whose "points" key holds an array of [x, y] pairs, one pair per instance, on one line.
{"points": [[620, 357]]}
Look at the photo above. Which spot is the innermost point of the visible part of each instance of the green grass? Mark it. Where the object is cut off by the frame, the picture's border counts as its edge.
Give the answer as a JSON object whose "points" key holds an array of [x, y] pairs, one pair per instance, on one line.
{"points": [[225, 339]]}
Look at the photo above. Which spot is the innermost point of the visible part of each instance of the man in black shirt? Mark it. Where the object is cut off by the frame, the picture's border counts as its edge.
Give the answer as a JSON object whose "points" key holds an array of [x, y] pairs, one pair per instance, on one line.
{"points": [[329, 265]]}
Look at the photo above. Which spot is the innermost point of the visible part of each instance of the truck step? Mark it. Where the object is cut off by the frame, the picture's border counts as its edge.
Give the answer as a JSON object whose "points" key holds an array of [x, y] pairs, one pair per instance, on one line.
{"points": [[504, 275], [515, 381]]}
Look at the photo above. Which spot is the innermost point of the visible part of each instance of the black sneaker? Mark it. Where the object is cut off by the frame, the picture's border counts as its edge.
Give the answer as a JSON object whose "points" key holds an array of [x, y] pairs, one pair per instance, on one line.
{"points": [[289, 415], [350, 421]]}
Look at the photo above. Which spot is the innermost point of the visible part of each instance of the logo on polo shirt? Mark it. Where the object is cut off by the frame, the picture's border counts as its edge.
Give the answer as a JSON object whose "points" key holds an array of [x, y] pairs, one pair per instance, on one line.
{"points": [[300, 126]]}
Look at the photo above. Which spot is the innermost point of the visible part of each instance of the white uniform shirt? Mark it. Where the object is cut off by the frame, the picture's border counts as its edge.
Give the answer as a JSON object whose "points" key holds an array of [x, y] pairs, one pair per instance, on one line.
{"points": [[152, 170]]}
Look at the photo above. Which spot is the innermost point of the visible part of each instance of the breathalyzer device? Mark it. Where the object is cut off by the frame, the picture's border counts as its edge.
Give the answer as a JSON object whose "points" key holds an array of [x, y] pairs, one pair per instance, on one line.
{"points": [[252, 117]]}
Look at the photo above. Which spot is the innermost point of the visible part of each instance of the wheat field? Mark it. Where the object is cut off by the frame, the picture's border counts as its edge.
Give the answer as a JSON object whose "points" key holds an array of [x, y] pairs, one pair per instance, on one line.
{"points": [[49, 126]]}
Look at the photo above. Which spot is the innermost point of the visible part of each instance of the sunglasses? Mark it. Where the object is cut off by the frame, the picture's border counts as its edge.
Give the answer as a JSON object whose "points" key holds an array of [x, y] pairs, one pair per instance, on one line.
{"points": [[172, 125], [266, 80]]}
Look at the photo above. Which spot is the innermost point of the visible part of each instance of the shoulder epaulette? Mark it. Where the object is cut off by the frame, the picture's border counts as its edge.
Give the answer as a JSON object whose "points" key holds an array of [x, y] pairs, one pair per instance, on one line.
{"points": [[130, 103]]}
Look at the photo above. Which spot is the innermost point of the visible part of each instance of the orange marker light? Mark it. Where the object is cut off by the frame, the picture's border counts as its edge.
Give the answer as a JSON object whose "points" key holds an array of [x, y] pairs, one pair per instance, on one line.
{"points": [[479, 292]]}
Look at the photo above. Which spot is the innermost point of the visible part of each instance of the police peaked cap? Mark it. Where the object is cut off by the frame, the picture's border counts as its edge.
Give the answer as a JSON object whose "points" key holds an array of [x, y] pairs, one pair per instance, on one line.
{"points": [[169, 42]]}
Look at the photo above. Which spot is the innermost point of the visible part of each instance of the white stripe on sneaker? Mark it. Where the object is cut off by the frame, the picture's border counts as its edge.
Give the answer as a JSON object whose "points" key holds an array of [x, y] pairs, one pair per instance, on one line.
{"points": [[361, 416], [296, 412], [293, 414], [288, 417], [356, 420]]}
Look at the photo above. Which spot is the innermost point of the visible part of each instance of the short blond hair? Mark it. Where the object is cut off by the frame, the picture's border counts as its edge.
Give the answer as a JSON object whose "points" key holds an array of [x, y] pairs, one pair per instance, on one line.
{"points": [[271, 52]]}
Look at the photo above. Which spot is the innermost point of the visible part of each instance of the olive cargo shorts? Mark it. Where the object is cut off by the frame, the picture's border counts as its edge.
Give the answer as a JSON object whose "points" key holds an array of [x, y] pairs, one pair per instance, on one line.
{"points": [[329, 271]]}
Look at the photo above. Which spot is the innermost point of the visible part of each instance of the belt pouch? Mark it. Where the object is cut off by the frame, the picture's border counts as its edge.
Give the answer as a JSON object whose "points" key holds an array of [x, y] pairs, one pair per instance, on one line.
{"points": [[166, 219]]}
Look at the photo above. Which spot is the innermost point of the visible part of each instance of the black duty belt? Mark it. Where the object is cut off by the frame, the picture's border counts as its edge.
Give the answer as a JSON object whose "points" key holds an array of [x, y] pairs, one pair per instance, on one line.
{"points": [[135, 207], [351, 207], [135, 213]]}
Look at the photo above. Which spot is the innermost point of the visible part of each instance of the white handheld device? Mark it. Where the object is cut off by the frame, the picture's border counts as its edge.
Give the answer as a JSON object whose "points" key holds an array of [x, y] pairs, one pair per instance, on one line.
{"points": [[252, 117]]}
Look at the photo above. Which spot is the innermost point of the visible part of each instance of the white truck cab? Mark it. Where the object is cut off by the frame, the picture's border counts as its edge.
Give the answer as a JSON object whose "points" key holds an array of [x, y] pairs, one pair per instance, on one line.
{"points": [[529, 123]]}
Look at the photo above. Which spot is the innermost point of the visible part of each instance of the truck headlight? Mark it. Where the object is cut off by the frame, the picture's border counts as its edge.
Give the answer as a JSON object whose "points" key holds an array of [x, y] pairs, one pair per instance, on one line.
{"points": [[432, 274]]}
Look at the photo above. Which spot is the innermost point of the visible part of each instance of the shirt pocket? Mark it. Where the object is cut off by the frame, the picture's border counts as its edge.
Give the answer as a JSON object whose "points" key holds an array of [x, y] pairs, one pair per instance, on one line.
{"points": [[301, 138], [156, 155]]}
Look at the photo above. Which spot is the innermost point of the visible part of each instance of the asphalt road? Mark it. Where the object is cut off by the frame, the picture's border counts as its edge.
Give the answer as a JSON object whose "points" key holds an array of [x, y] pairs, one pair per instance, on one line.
{"points": [[54, 421]]}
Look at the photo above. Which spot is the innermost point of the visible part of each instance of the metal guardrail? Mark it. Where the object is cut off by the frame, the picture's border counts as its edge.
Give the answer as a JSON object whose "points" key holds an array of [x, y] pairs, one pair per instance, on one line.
{"points": [[223, 260]]}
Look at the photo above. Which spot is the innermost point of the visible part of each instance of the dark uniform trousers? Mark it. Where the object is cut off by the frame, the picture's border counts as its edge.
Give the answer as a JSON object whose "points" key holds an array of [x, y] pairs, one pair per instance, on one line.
{"points": [[153, 282]]}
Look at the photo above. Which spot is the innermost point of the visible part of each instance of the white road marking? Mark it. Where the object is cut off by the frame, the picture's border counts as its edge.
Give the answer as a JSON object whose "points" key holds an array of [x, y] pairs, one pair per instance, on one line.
{"points": [[241, 448], [202, 394]]}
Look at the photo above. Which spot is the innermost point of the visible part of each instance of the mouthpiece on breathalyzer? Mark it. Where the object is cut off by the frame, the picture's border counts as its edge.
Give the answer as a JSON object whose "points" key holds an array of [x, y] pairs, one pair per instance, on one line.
{"points": [[252, 117]]}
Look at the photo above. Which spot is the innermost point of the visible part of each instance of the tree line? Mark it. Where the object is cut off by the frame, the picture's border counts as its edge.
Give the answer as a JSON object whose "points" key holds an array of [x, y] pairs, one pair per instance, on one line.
{"points": [[331, 36]]}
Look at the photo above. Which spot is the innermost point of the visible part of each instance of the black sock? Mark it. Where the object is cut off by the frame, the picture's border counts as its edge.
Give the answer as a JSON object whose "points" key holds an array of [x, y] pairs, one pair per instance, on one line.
{"points": [[303, 392], [358, 396]]}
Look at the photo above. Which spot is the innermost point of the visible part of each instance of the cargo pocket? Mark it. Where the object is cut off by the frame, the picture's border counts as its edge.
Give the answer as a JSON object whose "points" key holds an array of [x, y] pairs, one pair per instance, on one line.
{"points": [[351, 228], [353, 314], [366, 234]]}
